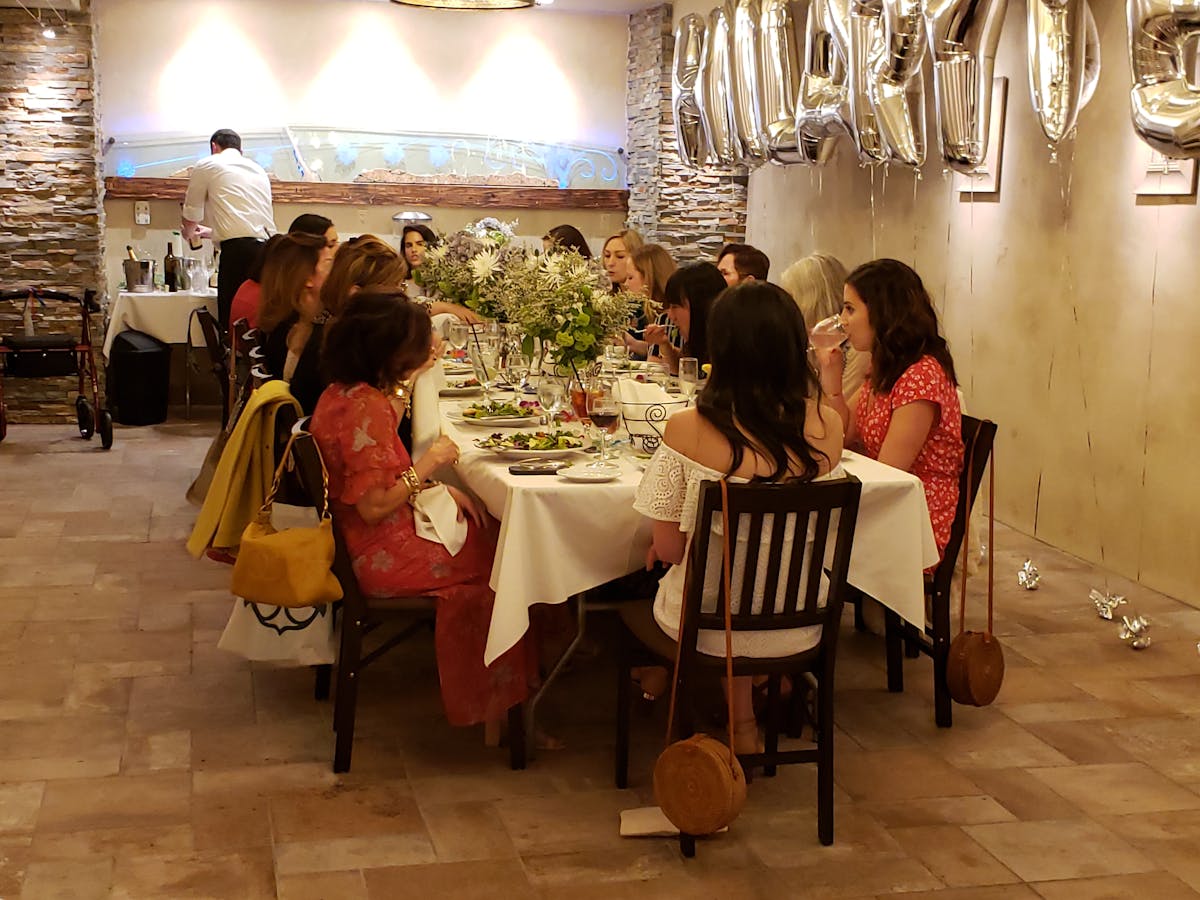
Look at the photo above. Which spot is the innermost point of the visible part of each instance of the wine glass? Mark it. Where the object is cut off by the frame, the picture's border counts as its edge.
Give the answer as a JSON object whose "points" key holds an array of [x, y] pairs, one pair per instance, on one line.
{"points": [[483, 360], [457, 334], [551, 396], [516, 368], [604, 409], [615, 356], [828, 333], [689, 375]]}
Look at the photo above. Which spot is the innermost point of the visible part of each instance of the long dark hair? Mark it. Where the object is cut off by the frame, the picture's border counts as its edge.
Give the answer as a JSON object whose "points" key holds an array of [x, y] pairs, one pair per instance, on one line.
{"points": [[757, 395], [904, 321], [378, 337], [698, 285], [568, 237]]}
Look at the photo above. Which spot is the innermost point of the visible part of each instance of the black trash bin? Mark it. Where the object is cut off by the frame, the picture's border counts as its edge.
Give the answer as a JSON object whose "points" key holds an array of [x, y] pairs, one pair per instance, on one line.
{"points": [[139, 373]]}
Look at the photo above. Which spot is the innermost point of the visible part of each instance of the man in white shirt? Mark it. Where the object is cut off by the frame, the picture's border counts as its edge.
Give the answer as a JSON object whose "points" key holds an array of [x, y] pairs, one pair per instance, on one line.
{"points": [[231, 196]]}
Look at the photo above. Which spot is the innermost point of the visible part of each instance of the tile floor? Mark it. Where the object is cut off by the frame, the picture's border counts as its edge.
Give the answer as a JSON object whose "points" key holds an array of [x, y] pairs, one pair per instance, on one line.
{"points": [[139, 761]]}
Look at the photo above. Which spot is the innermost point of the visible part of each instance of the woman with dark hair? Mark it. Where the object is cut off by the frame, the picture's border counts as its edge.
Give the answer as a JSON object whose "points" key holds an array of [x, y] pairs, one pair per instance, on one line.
{"points": [[757, 419], [566, 237], [378, 345], [415, 239], [290, 312], [689, 295], [906, 413]]}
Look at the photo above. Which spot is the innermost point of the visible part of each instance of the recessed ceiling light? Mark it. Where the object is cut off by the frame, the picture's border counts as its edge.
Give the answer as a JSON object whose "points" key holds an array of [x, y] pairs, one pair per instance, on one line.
{"points": [[49, 33], [467, 4]]}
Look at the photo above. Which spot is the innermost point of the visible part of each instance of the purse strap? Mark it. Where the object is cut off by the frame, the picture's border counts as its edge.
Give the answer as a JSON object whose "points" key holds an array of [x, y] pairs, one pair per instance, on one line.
{"points": [[966, 545], [284, 460], [726, 570]]}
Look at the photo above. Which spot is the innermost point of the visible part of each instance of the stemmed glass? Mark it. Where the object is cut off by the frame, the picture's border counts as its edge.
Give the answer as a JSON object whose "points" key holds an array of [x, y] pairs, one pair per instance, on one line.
{"points": [[516, 368], [457, 335], [828, 333], [689, 376], [483, 360], [615, 355], [604, 409], [551, 395]]}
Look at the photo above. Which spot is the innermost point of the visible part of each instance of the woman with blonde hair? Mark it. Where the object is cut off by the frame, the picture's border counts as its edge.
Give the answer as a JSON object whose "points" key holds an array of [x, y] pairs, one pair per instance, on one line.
{"points": [[617, 249], [815, 283], [650, 267]]}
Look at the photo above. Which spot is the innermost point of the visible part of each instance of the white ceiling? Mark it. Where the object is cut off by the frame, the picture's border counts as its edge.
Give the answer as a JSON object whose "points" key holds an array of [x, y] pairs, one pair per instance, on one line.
{"points": [[614, 7]]}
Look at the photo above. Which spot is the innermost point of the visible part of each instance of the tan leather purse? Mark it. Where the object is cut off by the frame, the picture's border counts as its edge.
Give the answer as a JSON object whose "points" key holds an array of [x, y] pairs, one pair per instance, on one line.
{"points": [[975, 668], [290, 567], [698, 782]]}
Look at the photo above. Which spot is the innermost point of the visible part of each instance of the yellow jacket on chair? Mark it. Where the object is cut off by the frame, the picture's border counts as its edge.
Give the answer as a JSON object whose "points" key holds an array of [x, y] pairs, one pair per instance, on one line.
{"points": [[244, 473]]}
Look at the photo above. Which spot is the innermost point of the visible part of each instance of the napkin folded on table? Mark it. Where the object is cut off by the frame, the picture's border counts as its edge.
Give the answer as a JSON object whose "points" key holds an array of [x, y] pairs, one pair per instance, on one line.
{"points": [[638, 402]]}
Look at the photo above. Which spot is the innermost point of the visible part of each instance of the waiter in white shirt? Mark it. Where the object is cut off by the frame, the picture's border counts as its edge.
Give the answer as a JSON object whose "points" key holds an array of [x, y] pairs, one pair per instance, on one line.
{"points": [[231, 196]]}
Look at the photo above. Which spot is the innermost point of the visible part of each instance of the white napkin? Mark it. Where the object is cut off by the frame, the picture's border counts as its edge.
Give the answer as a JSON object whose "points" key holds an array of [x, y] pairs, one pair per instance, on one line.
{"points": [[637, 400], [436, 516]]}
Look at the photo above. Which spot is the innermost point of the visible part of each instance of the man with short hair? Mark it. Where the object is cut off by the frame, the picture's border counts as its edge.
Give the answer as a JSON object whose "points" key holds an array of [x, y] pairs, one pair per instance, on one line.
{"points": [[231, 195], [741, 262]]}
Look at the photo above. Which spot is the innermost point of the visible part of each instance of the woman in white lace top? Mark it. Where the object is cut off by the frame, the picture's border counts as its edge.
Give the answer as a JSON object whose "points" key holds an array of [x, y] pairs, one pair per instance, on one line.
{"points": [[757, 419]]}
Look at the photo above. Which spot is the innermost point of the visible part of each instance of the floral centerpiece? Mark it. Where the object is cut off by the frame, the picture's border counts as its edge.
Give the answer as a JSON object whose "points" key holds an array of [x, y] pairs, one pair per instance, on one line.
{"points": [[466, 266], [566, 302]]}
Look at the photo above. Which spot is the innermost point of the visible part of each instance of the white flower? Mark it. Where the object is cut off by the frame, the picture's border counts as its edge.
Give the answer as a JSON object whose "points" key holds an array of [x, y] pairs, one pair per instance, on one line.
{"points": [[484, 264]]}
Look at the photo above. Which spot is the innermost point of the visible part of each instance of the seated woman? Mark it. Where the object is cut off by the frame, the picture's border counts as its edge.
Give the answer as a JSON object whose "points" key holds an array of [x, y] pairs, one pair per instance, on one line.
{"points": [[290, 312], [650, 267], [907, 413], [779, 433], [566, 237], [689, 295], [815, 283], [248, 296], [615, 255], [378, 343], [415, 240]]}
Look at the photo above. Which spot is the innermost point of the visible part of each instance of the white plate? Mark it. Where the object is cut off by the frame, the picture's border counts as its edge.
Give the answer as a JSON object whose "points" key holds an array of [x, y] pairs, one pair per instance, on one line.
{"points": [[460, 391], [452, 370], [530, 454], [591, 475], [495, 421]]}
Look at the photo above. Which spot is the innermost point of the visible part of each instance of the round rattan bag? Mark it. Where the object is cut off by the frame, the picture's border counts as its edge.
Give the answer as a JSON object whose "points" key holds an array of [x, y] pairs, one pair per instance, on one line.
{"points": [[697, 787]]}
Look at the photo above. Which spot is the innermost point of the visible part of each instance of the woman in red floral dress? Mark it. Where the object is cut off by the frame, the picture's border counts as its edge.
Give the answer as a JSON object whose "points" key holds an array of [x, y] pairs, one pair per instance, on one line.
{"points": [[907, 413], [381, 341]]}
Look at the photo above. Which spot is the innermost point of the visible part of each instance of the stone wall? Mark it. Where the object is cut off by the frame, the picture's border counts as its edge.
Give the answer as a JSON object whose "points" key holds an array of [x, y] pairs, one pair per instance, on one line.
{"points": [[692, 212], [51, 217]]}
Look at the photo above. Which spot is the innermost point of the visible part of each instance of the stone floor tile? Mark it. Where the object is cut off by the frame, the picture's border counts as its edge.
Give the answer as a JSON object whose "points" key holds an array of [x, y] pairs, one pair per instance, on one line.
{"points": [[19, 806], [461, 880], [1058, 849], [991, 892], [1117, 788], [1156, 885], [630, 861], [938, 811], [341, 811], [952, 856], [1081, 742], [467, 831], [834, 878], [92, 843], [246, 875], [68, 880], [339, 854], [33, 691], [324, 886], [229, 822], [900, 775], [157, 752], [116, 802], [536, 824]]}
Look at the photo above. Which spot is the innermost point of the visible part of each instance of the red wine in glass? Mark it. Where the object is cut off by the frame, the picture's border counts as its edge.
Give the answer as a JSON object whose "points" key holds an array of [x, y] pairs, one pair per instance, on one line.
{"points": [[606, 420]]}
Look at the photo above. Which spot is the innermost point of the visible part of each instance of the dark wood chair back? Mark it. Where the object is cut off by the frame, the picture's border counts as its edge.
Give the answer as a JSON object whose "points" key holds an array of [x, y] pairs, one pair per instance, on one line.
{"points": [[980, 434]]}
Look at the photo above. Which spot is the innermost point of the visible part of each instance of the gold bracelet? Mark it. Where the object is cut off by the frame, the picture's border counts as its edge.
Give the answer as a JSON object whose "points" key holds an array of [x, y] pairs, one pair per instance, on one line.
{"points": [[412, 481]]}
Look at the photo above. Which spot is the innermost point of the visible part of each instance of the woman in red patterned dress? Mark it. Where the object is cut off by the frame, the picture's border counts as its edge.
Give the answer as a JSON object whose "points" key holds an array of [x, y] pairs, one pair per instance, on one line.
{"points": [[378, 344], [907, 413]]}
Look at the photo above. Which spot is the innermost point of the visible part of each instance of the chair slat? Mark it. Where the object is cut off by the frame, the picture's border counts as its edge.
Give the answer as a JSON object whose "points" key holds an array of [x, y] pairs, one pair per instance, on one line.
{"points": [[812, 589], [750, 569]]}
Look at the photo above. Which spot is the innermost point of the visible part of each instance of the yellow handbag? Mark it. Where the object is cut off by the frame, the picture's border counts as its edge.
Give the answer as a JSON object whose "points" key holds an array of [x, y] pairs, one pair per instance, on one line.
{"points": [[292, 567]]}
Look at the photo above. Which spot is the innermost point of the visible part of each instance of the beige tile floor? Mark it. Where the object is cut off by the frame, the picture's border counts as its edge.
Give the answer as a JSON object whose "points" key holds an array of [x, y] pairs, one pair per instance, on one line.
{"points": [[139, 761]]}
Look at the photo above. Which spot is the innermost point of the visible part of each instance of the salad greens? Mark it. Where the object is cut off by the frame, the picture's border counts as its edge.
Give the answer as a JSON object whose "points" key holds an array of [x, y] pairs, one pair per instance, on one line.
{"points": [[540, 440], [496, 409]]}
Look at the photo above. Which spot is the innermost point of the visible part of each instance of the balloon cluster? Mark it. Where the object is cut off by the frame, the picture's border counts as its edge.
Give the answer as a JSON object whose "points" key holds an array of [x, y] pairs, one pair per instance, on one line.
{"points": [[783, 81]]}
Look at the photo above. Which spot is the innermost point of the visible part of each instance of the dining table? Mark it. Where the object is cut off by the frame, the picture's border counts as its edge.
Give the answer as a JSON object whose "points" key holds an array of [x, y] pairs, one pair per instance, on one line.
{"points": [[560, 538], [165, 315]]}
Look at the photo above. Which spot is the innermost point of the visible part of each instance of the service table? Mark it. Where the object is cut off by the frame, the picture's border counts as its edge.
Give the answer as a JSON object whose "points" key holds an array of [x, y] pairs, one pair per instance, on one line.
{"points": [[161, 314]]}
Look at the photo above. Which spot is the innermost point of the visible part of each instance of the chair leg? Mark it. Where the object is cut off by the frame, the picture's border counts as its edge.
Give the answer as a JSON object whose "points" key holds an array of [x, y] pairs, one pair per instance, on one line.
{"points": [[517, 753], [825, 762], [895, 664], [912, 643], [772, 731], [796, 710], [687, 845], [860, 621], [940, 615], [321, 681], [345, 703], [624, 704]]}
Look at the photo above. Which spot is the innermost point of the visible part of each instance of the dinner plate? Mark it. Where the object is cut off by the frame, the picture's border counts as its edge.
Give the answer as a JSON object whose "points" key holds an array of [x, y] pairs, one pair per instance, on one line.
{"points": [[452, 370], [451, 391], [495, 421], [503, 453], [586, 473]]}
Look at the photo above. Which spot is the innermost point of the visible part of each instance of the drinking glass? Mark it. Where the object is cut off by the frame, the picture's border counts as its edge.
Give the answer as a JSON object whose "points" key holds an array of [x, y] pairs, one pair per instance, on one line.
{"points": [[457, 335], [552, 396], [615, 356], [483, 361], [604, 409], [689, 375], [828, 333], [516, 368]]}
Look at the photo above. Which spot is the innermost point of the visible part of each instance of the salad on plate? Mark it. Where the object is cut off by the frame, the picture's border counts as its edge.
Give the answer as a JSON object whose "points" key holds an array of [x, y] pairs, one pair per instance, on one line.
{"points": [[499, 409]]}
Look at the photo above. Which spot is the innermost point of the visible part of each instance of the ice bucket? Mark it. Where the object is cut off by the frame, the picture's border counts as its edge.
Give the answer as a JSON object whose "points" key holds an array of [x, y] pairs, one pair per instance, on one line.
{"points": [[139, 275]]}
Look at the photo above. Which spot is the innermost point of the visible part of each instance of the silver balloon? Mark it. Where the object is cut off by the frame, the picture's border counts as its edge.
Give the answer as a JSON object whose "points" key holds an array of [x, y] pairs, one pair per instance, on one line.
{"points": [[1058, 45], [821, 113], [779, 79], [897, 84], [857, 26], [689, 131], [963, 35], [747, 101], [1091, 61], [1166, 108], [713, 86]]}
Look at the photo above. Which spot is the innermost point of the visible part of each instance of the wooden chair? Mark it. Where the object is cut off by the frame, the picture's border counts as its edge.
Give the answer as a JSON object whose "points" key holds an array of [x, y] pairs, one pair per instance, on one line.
{"points": [[812, 506], [218, 359], [934, 639], [361, 616]]}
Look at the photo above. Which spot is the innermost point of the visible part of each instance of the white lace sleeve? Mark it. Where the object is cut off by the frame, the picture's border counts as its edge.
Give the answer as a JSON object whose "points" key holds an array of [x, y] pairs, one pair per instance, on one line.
{"points": [[660, 493]]}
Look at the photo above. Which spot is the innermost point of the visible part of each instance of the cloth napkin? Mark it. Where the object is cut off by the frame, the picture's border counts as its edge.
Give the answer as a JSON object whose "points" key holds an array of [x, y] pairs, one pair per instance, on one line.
{"points": [[435, 514]]}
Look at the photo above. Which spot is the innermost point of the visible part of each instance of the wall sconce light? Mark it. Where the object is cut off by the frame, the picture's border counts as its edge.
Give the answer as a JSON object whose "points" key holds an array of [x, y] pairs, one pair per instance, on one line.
{"points": [[410, 215], [467, 4]]}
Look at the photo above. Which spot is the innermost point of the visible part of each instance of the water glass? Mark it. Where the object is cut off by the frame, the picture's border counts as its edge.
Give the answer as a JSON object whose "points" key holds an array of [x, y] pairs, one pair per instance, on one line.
{"points": [[457, 334], [551, 396], [828, 333], [615, 356], [689, 375]]}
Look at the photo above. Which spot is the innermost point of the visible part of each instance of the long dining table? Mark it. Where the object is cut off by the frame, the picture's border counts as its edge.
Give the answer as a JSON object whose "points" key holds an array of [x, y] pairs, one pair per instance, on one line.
{"points": [[559, 538]]}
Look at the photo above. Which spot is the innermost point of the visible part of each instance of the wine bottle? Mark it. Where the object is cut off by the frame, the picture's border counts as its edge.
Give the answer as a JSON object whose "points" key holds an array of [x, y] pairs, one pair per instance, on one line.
{"points": [[169, 268], [212, 278]]}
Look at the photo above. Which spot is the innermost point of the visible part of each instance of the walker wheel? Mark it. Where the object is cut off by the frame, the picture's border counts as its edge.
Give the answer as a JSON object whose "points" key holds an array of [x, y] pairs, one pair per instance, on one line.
{"points": [[85, 417], [105, 427]]}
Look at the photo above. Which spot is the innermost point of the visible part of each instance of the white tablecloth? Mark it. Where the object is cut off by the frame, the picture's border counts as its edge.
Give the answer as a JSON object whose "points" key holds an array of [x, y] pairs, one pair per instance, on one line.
{"points": [[558, 538], [159, 314]]}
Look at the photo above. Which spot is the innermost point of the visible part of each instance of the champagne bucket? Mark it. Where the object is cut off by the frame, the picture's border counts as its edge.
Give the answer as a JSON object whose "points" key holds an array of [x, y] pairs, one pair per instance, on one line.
{"points": [[139, 275]]}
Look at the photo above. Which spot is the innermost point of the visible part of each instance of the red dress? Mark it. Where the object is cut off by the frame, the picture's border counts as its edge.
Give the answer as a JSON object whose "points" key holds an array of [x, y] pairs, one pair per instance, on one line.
{"points": [[940, 461], [245, 303], [355, 427]]}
